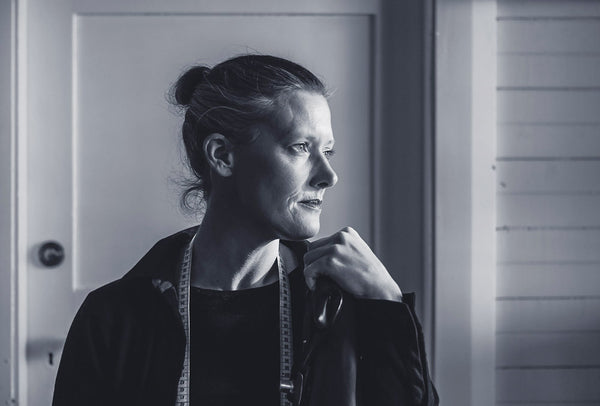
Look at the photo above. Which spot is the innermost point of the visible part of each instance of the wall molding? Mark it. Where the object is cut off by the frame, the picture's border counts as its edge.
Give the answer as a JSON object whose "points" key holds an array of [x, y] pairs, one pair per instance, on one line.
{"points": [[465, 142]]}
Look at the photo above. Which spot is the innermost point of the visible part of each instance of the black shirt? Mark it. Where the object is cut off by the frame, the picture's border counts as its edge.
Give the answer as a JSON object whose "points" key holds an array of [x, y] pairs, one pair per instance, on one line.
{"points": [[235, 343], [126, 344]]}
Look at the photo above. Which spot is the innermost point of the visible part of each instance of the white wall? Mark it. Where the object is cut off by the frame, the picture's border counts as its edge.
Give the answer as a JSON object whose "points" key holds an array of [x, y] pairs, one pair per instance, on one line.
{"points": [[452, 344], [548, 296], [6, 203], [522, 329], [465, 202]]}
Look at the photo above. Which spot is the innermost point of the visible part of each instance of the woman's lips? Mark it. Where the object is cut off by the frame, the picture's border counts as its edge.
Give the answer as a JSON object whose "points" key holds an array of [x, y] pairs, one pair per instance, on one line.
{"points": [[314, 204]]}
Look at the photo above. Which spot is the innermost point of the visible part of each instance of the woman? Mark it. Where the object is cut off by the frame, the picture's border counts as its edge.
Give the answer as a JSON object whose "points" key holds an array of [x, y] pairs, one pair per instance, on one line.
{"points": [[242, 310]]}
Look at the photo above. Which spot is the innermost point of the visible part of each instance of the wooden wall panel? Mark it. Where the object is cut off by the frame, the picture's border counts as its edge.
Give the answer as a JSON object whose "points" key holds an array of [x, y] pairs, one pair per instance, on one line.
{"points": [[564, 386], [548, 245], [548, 140], [548, 176], [534, 403], [547, 8], [548, 210], [548, 203], [543, 70], [453, 213], [534, 106], [547, 315], [549, 36], [541, 279], [566, 349], [8, 274], [554, 70]]}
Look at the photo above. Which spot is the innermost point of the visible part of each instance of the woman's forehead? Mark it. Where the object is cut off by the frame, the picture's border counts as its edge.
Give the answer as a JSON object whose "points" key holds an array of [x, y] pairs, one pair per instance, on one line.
{"points": [[304, 114]]}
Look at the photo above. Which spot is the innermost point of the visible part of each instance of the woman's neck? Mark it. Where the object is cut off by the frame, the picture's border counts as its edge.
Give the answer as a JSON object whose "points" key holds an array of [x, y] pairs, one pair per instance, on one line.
{"points": [[229, 255]]}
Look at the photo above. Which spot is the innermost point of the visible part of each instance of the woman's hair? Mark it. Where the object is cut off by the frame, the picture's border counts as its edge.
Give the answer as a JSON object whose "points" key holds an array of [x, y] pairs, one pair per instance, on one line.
{"points": [[232, 99]]}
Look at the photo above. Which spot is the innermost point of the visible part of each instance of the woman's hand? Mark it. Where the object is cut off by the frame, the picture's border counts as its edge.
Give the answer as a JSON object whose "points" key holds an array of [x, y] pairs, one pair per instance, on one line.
{"points": [[348, 260]]}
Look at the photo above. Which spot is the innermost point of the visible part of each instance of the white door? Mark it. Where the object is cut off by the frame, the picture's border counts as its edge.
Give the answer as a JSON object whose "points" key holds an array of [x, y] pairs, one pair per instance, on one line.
{"points": [[102, 144]]}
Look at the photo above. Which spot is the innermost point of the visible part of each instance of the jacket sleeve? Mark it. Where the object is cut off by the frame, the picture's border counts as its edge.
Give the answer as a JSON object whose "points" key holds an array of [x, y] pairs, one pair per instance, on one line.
{"points": [[392, 366], [81, 375]]}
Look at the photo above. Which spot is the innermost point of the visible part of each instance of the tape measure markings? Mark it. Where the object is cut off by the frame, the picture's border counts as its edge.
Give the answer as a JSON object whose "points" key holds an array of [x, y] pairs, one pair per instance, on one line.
{"points": [[286, 353]]}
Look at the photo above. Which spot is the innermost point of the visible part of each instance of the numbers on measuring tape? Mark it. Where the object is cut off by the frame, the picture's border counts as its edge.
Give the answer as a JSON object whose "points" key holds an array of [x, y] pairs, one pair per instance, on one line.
{"points": [[285, 331]]}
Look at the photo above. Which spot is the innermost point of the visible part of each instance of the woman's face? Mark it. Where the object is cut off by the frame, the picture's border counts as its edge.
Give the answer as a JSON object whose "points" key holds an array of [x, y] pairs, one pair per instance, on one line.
{"points": [[281, 177]]}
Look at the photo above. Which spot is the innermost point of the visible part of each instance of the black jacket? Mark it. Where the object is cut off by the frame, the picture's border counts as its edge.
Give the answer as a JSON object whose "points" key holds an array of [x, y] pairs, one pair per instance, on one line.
{"points": [[126, 345]]}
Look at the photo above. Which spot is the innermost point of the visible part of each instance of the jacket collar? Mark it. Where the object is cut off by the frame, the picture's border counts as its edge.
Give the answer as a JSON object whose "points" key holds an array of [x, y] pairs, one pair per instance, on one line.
{"points": [[164, 258], [162, 262]]}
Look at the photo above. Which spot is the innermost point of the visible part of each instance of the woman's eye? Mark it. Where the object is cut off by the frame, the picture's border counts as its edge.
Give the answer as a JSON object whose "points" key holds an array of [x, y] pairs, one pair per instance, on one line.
{"points": [[302, 147]]}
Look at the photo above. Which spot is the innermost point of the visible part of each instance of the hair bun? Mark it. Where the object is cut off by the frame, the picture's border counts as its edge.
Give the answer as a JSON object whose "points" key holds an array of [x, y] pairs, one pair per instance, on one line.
{"points": [[187, 83]]}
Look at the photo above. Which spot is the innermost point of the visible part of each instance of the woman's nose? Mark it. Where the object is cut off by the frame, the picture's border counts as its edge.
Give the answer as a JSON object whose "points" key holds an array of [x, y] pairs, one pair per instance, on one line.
{"points": [[324, 176]]}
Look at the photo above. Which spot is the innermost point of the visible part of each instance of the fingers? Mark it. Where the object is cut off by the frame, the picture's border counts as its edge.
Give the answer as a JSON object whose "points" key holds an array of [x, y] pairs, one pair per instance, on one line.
{"points": [[327, 256], [323, 266], [316, 253], [311, 280], [330, 239], [341, 236], [321, 260], [349, 261]]}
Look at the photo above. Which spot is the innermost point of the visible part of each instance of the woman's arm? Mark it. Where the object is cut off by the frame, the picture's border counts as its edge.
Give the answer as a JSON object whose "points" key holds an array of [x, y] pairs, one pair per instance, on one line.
{"points": [[81, 375], [393, 368], [125, 347]]}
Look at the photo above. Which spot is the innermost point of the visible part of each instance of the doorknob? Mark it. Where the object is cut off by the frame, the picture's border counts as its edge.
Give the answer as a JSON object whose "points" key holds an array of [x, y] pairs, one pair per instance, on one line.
{"points": [[51, 254]]}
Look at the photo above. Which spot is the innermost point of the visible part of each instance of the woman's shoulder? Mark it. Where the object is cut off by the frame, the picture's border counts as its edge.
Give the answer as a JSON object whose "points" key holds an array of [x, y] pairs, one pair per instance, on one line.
{"points": [[135, 290], [121, 297], [162, 260]]}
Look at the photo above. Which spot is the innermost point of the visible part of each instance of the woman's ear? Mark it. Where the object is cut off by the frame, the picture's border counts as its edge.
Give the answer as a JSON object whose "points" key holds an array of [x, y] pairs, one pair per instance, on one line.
{"points": [[219, 153]]}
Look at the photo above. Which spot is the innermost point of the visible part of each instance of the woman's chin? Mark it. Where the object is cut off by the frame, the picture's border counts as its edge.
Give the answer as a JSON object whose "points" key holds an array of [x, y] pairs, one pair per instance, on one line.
{"points": [[302, 231]]}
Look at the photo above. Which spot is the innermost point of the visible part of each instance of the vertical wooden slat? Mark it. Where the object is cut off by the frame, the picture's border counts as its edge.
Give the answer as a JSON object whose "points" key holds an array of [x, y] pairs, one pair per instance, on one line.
{"points": [[7, 199], [453, 203], [483, 202]]}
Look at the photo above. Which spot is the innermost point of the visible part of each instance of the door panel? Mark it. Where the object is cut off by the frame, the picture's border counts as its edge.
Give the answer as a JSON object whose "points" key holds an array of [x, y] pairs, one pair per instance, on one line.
{"points": [[127, 139], [103, 143]]}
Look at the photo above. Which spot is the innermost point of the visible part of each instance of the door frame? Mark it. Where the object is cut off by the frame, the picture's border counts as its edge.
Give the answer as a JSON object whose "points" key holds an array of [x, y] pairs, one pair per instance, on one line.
{"points": [[402, 104], [11, 350], [7, 43], [465, 199]]}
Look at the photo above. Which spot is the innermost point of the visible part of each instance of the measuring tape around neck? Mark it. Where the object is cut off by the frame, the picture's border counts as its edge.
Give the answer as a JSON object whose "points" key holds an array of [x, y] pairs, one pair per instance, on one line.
{"points": [[286, 352]]}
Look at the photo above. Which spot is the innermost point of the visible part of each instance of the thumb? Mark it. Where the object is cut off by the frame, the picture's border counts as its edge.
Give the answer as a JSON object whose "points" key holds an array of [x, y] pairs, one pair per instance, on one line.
{"points": [[310, 275]]}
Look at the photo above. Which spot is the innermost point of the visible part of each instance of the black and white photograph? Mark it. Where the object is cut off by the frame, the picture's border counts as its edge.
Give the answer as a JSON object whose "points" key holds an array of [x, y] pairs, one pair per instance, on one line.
{"points": [[300, 203]]}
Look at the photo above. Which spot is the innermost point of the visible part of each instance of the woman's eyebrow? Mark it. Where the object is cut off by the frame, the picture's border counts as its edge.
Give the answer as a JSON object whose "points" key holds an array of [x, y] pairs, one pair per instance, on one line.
{"points": [[292, 134]]}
